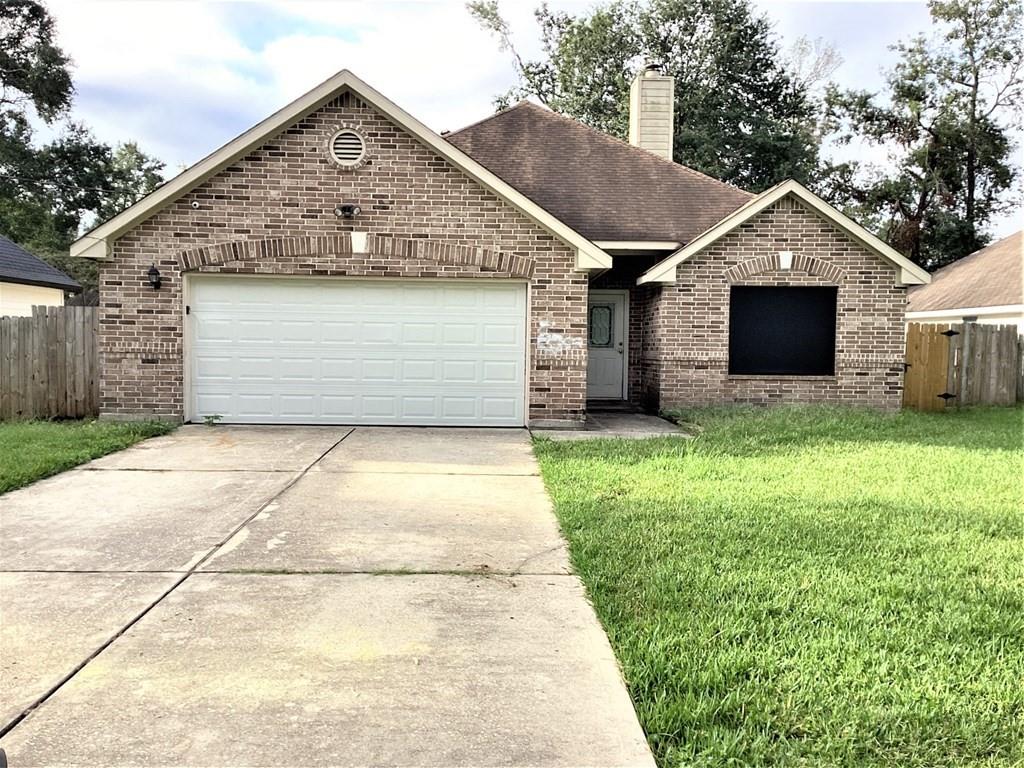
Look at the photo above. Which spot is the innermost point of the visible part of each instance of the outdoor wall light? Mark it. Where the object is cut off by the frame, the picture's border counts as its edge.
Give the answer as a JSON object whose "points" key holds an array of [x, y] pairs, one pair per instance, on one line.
{"points": [[154, 277], [347, 211]]}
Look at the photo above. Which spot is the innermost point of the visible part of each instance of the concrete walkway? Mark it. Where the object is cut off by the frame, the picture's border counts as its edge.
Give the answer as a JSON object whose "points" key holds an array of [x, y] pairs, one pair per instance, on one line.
{"points": [[619, 426], [302, 596]]}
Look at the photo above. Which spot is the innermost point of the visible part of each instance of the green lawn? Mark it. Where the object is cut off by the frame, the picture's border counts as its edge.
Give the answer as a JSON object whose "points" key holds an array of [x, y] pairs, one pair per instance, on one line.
{"points": [[810, 587], [32, 450]]}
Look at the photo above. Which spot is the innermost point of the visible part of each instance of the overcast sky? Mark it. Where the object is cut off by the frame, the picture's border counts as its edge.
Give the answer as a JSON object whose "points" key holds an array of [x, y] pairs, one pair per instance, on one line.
{"points": [[182, 77]]}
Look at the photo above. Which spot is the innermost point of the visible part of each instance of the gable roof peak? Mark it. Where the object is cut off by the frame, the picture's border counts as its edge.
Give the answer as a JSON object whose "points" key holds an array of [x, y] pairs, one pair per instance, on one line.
{"points": [[96, 243], [907, 273]]}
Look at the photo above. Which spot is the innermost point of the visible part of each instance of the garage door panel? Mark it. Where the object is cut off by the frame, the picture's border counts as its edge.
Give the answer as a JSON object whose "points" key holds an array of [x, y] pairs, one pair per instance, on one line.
{"points": [[419, 333], [499, 372], [339, 369], [500, 335], [459, 371], [379, 333], [256, 369], [498, 407], [214, 329], [214, 403], [459, 408], [254, 405], [419, 406], [460, 333], [341, 407], [211, 368], [420, 371], [297, 405], [300, 369], [380, 371], [338, 332], [317, 351]]}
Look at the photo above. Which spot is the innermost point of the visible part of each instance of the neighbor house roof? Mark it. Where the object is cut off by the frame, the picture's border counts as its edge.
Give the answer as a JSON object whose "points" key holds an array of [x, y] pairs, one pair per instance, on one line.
{"points": [[19, 266], [991, 277], [602, 187], [908, 273], [96, 244]]}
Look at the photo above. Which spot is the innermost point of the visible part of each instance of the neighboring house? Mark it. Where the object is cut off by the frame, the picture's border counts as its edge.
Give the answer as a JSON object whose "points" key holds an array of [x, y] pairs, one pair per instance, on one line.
{"points": [[342, 263], [27, 281], [985, 287]]}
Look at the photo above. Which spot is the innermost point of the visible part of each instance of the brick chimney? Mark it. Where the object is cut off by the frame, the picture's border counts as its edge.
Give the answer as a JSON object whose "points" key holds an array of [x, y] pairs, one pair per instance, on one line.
{"points": [[651, 107]]}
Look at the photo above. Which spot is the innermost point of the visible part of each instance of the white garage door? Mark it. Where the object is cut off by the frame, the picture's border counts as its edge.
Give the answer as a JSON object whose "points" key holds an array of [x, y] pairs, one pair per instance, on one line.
{"points": [[298, 351]]}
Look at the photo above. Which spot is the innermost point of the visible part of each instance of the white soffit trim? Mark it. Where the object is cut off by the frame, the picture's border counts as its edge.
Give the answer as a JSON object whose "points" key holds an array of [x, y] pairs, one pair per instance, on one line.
{"points": [[998, 309], [665, 271], [637, 245], [96, 243]]}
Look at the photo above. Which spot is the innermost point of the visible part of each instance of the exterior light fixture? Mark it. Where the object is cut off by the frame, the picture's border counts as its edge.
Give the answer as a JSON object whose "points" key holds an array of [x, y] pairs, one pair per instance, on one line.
{"points": [[347, 211], [154, 277]]}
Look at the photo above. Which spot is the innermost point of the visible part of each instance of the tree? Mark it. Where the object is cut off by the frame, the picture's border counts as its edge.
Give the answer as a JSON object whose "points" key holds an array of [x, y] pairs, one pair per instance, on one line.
{"points": [[740, 115], [811, 63], [132, 174], [33, 70], [945, 121], [48, 192]]}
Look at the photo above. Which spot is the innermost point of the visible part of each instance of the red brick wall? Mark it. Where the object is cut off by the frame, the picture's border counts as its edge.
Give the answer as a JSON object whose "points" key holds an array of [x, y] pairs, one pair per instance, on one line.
{"points": [[289, 188], [686, 326]]}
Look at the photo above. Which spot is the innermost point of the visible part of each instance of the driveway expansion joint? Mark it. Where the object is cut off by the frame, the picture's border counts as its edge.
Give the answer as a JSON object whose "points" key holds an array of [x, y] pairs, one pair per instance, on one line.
{"points": [[18, 719]]}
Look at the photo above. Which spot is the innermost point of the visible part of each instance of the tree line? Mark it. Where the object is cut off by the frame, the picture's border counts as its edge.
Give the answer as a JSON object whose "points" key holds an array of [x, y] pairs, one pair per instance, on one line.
{"points": [[51, 188], [752, 113], [748, 112]]}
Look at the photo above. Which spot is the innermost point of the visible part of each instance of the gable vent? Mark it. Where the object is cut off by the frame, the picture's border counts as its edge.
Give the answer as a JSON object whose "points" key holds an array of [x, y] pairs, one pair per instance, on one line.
{"points": [[347, 148]]}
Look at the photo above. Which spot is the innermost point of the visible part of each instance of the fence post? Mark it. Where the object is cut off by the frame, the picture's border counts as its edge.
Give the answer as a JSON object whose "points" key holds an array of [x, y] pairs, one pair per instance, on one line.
{"points": [[1020, 368]]}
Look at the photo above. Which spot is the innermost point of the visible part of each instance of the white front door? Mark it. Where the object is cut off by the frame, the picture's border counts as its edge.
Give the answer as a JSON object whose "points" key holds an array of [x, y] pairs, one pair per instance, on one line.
{"points": [[328, 351], [606, 345]]}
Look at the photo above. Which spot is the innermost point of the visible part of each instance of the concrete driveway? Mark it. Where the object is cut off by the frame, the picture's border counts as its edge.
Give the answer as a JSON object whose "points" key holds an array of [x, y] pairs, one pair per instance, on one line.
{"points": [[302, 596]]}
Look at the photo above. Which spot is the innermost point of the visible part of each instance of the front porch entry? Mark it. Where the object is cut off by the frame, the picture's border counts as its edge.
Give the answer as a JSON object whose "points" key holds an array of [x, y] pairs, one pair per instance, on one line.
{"points": [[607, 351]]}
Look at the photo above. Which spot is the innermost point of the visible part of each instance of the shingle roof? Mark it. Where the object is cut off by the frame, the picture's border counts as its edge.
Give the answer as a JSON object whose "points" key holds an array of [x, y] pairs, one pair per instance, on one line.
{"points": [[19, 266], [600, 186], [991, 277]]}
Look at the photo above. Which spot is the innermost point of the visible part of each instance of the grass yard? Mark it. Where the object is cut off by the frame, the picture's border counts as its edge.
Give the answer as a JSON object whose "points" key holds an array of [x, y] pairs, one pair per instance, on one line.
{"points": [[812, 587], [32, 450]]}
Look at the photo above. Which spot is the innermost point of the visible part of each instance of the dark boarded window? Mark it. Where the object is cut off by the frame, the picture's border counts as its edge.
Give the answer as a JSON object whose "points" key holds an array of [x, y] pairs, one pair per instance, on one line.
{"points": [[782, 331]]}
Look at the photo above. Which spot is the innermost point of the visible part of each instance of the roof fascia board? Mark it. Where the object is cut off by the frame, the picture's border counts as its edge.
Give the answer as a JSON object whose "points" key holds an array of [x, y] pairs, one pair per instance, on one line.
{"points": [[664, 271], [96, 244], [997, 309]]}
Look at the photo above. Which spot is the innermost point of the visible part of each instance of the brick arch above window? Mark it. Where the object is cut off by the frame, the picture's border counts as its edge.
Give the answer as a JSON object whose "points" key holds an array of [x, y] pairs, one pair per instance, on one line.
{"points": [[422, 249], [772, 263]]}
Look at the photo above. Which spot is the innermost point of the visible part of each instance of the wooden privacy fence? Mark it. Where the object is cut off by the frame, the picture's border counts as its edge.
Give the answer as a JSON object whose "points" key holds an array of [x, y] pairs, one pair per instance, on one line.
{"points": [[962, 364], [49, 366]]}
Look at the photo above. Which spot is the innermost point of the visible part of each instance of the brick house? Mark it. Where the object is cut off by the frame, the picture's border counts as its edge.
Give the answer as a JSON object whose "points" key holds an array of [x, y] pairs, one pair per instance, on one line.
{"points": [[342, 263]]}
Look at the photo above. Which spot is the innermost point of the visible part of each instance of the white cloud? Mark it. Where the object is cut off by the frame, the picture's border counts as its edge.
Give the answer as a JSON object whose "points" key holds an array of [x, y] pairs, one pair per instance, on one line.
{"points": [[183, 77]]}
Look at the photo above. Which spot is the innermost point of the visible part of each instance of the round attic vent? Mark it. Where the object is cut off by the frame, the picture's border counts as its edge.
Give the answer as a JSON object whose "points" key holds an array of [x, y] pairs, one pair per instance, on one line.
{"points": [[347, 148]]}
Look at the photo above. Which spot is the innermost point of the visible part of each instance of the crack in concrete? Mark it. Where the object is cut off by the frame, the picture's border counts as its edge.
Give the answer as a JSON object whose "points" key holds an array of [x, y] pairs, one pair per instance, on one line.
{"points": [[517, 571]]}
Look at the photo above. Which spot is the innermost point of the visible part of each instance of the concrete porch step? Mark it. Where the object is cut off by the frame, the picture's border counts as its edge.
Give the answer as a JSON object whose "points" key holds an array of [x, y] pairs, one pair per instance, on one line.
{"points": [[611, 406]]}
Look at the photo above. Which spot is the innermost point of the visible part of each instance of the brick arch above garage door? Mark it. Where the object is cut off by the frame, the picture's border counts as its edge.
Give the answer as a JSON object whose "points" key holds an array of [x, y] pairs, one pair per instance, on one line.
{"points": [[773, 263], [422, 249]]}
